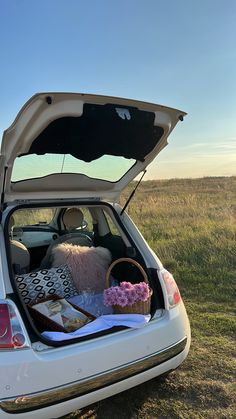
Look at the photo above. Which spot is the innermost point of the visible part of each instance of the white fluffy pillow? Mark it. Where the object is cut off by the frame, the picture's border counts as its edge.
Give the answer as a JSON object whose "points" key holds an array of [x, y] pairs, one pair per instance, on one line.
{"points": [[88, 265]]}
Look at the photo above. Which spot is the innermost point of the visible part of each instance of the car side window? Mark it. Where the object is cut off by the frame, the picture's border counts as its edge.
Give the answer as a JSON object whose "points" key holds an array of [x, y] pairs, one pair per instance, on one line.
{"points": [[88, 221], [113, 228]]}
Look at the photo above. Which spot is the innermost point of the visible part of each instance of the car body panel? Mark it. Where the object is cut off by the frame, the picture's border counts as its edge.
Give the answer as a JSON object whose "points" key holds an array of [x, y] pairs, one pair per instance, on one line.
{"points": [[31, 371], [73, 404], [46, 398]]}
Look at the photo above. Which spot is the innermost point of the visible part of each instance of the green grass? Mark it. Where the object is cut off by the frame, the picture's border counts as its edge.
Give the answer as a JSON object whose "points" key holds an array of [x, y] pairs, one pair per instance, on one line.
{"points": [[191, 225]]}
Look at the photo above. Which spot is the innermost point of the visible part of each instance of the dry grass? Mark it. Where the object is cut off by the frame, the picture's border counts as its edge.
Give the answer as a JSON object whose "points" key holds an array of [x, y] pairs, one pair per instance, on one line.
{"points": [[191, 225]]}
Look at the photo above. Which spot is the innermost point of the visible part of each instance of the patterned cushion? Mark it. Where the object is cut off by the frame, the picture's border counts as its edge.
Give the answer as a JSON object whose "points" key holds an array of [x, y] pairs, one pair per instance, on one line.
{"points": [[46, 282]]}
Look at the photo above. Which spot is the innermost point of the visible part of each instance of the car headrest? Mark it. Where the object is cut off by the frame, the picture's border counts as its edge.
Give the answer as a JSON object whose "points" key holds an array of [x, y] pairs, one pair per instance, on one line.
{"points": [[73, 218]]}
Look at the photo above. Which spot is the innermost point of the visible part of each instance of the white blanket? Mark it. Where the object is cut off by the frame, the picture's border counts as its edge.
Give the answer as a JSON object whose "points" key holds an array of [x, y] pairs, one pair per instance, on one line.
{"points": [[101, 323]]}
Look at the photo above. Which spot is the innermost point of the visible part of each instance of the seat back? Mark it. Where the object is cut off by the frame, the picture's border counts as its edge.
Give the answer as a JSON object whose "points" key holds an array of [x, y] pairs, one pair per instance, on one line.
{"points": [[20, 256], [72, 220]]}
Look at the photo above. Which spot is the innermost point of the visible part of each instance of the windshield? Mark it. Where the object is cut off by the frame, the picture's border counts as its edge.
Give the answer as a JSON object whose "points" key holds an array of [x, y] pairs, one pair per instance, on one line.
{"points": [[36, 216], [110, 168]]}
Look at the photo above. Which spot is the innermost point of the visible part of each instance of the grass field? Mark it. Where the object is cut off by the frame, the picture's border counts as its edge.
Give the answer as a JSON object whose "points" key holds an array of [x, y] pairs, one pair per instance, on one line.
{"points": [[191, 225]]}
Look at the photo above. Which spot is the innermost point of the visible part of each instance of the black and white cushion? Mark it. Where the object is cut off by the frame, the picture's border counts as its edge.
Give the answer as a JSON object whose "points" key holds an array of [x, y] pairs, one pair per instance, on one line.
{"points": [[46, 282]]}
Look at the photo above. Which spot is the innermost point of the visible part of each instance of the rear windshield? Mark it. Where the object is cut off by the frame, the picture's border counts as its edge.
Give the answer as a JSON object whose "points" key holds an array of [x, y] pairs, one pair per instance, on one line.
{"points": [[110, 168], [103, 143]]}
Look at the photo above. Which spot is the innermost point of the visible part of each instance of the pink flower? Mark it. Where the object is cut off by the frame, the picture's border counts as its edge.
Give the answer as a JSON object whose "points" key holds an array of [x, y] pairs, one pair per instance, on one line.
{"points": [[130, 300], [122, 301], [126, 285], [131, 296], [109, 296], [107, 300], [141, 288], [120, 293], [144, 296], [126, 294]]}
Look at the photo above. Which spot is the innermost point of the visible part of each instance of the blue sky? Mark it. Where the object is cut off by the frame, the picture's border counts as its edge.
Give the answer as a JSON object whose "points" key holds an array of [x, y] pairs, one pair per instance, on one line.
{"points": [[179, 53]]}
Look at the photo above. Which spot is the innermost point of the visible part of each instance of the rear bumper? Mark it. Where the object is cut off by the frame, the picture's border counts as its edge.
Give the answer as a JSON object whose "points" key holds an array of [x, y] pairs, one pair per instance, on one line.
{"points": [[28, 402]]}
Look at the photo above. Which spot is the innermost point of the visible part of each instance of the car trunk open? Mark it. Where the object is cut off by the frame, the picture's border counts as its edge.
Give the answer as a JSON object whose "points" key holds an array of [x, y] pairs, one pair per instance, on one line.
{"points": [[81, 148], [76, 145]]}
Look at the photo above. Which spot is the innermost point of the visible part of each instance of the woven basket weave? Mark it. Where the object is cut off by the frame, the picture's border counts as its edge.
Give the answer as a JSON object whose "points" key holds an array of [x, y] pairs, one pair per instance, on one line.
{"points": [[139, 307]]}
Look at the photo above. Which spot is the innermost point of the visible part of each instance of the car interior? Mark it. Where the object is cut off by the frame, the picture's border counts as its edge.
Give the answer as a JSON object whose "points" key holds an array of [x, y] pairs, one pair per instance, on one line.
{"points": [[36, 235], [32, 242], [33, 236]]}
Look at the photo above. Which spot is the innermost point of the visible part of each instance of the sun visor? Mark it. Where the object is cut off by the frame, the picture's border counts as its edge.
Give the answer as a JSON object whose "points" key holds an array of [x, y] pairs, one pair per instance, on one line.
{"points": [[101, 130]]}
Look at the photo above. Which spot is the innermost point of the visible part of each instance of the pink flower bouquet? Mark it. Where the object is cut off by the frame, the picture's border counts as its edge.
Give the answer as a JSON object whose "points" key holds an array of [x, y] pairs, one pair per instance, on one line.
{"points": [[128, 297]]}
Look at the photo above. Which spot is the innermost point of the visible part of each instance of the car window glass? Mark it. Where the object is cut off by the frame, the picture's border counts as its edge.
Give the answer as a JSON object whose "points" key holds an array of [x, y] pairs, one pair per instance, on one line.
{"points": [[37, 166], [88, 221], [113, 228], [36, 216]]}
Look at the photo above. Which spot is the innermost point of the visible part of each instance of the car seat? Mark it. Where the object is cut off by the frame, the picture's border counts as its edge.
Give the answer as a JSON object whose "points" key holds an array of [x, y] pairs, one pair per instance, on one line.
{"points": [[73, 220], [20, 256]]}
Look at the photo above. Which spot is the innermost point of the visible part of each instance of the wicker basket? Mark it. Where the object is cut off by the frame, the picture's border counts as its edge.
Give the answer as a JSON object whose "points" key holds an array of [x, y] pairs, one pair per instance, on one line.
{"points": [[139, 307], [44, 323]]}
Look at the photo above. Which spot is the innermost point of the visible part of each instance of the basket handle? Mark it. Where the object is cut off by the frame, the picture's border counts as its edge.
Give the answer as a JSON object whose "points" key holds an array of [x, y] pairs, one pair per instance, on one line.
{"points": [[132, 261]]}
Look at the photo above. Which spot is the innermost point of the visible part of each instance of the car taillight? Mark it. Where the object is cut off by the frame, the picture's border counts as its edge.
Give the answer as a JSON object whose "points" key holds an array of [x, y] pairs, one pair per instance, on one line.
{"points": [[172, 290], [12, 333]]}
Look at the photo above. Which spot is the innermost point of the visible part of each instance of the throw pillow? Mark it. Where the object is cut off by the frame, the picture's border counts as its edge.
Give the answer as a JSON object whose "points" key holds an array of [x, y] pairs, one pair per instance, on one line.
{"points": [[88, 265], [46, 282]]}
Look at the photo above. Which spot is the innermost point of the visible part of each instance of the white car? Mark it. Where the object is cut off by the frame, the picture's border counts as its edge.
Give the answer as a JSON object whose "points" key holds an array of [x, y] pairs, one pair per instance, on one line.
{"points": [[64, 162]]}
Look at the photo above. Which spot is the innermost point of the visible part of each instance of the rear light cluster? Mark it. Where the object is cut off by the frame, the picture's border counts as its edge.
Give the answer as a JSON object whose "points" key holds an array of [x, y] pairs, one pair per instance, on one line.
{"points": [[173, 294], [12, 333]]}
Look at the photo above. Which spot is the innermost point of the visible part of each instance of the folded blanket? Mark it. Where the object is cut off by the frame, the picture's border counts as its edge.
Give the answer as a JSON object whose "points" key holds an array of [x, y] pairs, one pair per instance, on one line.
{"points": [[101, 323]]}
